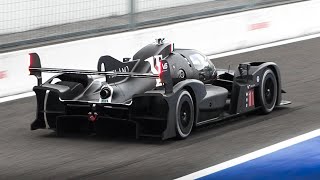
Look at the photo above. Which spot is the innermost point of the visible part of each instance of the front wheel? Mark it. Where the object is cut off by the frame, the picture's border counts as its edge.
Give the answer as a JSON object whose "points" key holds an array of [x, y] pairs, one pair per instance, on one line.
{"points": [[184, 115], [268, 91]]}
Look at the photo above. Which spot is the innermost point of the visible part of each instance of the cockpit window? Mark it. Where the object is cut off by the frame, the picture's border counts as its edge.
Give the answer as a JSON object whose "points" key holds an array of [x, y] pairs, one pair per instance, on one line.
{"points": [[205, 68], [199, 61]]}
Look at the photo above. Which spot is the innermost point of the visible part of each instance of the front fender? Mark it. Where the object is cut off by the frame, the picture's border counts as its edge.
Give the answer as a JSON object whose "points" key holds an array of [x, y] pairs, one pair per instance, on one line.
{"points": [[257, 69]]}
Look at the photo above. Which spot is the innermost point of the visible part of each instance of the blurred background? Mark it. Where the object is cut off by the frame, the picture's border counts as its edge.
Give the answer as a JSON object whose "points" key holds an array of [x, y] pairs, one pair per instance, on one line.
{"points": [[28, 22], [74, 34]]}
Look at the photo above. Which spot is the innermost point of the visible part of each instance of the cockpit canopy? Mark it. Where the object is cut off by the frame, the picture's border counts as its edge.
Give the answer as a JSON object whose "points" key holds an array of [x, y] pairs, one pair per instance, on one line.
{"points": [[201, 63]]}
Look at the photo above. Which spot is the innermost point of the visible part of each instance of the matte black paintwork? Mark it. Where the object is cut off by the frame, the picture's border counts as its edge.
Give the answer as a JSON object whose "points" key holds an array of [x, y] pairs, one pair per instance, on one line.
{"points": [[140, 98]]}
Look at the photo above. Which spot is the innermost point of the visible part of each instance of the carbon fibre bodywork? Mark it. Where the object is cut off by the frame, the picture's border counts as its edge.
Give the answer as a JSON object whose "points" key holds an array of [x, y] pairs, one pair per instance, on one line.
{"points": [[148, 103]]}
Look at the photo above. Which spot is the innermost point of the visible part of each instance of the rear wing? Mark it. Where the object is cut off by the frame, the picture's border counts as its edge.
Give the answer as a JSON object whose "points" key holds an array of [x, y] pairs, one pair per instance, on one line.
{"points": [[164, 72]]}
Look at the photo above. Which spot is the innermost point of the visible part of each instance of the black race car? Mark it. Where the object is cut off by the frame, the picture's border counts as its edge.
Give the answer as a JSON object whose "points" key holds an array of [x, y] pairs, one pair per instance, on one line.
{"points": [[162, 92]]}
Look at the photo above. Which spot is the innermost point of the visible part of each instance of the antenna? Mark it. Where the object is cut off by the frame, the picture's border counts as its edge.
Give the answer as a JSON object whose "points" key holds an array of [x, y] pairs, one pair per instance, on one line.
{"points": [[159, 41]]}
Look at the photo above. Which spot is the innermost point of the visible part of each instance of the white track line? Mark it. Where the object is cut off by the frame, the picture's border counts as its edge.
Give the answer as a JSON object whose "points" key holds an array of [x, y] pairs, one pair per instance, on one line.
{"points": [[250, 156], [15, 97], [214, 56]]}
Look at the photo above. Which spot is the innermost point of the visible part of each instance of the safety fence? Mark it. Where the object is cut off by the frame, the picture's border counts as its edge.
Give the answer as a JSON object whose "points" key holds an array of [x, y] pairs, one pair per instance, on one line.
{"points": [[59, 19]]}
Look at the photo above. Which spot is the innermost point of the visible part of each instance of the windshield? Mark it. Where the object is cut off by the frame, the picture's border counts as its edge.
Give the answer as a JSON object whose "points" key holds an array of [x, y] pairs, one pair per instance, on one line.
{"points": [[199, 61], [206, 69]]}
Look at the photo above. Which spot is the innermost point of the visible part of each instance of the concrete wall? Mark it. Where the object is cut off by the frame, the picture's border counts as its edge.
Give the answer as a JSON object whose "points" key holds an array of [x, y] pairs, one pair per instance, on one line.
{"points": [[211, 36]]}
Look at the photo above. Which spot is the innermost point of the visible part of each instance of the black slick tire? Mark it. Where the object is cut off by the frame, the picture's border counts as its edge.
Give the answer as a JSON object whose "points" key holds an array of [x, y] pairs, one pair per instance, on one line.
{"points": [[268, 91], [184, 115]]}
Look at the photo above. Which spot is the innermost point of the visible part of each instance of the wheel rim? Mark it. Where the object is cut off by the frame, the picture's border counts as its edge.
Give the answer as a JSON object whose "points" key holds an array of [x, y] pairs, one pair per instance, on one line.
{"points": [[269, 91], [185, 114], [182, 74]]}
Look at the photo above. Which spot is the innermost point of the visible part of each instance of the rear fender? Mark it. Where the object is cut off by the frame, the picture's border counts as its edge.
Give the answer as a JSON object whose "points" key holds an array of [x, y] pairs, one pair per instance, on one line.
{"points": [[167, 102], [49, 95], [63, 91]]}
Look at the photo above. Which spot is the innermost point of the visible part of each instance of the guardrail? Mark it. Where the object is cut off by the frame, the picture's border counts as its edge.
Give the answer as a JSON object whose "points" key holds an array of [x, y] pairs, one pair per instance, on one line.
{"points": [[210, 35]]}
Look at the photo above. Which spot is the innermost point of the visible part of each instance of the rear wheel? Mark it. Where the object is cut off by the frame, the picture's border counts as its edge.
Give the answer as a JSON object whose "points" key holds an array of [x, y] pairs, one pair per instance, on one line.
{"points": [[268, 91], [184, 115]]}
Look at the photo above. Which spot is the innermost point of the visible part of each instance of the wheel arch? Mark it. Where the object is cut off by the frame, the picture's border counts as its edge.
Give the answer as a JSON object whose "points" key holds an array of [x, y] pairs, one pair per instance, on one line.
{"points": [[259, 70], [197, 91], [274, 67], [276, 72]]}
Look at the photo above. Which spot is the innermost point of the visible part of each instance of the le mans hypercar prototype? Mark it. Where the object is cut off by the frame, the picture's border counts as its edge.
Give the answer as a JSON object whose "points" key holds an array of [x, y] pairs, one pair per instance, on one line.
{"points": [[161, 92]]}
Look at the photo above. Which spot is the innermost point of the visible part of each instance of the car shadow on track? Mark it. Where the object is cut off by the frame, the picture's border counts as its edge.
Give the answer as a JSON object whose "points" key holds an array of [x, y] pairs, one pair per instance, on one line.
{"points": [[246, 120], [202, 132], [116, 138]]}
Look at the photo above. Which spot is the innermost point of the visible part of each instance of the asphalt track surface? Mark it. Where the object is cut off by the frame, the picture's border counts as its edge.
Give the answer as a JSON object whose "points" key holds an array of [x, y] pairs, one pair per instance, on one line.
{"points": [[26, 154]]}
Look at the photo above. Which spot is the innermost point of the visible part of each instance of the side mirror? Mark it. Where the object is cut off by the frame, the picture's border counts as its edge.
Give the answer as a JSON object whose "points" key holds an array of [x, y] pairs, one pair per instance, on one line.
{"points": [[244, 66]]}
